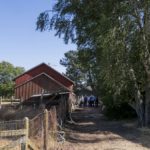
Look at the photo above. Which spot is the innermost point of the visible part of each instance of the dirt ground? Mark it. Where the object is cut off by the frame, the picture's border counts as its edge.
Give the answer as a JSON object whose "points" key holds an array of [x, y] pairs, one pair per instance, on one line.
{"points": [[92, 131], [5, 142]]}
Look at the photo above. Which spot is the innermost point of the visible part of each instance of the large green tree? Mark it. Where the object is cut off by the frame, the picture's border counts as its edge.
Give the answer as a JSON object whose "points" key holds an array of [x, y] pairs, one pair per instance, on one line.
{"points": [[73, 67], [80, 68], [7, 73], [118, 32]]}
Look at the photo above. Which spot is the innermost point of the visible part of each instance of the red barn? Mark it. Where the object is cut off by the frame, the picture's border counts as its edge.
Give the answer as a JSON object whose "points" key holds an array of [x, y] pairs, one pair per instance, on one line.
{"points": [[41, 78], [44, 82]]}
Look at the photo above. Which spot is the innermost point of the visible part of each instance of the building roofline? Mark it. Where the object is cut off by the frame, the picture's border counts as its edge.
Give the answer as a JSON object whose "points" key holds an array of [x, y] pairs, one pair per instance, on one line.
{"points": [[47, 66], [48, 77], [28, 71]]}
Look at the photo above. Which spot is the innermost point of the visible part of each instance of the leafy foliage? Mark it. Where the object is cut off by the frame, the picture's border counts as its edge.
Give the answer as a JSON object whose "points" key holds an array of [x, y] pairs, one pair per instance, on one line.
{"points": [[117, 34], [79, 67], [7, 73]]}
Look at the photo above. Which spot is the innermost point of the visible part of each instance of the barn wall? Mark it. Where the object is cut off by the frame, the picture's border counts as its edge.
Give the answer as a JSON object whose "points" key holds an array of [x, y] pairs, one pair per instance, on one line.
{"points": [[40, 69], [62, 108], [35, 86]]}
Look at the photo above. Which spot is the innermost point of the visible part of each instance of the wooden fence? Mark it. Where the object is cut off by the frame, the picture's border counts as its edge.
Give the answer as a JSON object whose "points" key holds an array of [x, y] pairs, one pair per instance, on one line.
{"points": [[10, 100], [34, 134], [13, 134]]}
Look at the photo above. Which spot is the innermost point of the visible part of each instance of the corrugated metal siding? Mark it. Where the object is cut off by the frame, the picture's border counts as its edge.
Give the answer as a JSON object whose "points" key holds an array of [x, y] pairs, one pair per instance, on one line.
{"points": [[35, 86], [43, 68]]}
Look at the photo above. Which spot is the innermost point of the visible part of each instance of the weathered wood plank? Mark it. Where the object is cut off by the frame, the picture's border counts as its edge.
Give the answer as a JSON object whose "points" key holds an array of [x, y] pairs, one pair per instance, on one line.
{"points": [[9, 133]]}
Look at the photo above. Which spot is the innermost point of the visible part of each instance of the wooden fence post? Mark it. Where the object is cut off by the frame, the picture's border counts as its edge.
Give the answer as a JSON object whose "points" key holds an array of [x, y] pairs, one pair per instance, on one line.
{"points": [[45, 124], [11, 100], [0, 102], [24, 146]]}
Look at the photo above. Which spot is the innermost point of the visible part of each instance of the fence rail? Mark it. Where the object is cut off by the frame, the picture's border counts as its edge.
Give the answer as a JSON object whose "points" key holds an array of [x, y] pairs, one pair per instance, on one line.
{"points": [[12, 125], [35, 125], [42, 128], [10, 133]]}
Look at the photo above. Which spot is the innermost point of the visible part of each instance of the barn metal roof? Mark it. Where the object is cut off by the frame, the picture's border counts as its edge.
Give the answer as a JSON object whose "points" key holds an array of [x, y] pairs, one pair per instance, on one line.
{"points": [[49, 68], [61, 85]]}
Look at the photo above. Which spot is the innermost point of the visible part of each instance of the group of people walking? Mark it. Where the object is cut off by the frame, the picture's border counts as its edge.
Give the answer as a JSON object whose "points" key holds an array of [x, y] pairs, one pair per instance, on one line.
{"points": [[88, 101]]}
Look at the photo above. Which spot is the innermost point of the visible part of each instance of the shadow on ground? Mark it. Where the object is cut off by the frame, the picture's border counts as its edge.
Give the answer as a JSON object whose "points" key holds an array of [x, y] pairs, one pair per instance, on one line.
{"points": [[89, 121]]}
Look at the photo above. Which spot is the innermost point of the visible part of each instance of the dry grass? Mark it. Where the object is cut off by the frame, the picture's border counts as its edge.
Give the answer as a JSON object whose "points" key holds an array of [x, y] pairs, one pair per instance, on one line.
{"points": [[90, 130], [11, 113], [5, 142], [35, 123]]}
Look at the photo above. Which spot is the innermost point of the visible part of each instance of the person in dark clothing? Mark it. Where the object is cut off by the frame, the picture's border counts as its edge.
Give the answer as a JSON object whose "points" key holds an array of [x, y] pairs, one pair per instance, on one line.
{"points": [[92, 101], [96, 101], [85, 101]]}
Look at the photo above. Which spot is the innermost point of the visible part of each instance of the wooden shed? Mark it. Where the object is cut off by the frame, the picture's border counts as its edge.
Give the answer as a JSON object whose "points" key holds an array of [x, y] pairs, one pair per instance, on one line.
{"points": [[44, 81], [41, 78]]}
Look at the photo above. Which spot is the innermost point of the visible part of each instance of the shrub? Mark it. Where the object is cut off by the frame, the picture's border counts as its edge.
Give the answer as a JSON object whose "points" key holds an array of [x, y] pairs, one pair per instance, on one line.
{"points": [[118, 108], [122, 111]]}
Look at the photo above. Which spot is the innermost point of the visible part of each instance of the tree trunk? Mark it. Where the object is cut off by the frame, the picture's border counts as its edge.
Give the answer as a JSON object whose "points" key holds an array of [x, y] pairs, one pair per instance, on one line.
{"points": [[147, 104], [139, 103], [146, 37], [139, 108]]}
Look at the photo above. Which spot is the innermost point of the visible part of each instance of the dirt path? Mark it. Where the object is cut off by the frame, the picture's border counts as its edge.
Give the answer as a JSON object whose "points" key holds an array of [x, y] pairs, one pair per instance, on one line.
{"points": [[92, 131]]}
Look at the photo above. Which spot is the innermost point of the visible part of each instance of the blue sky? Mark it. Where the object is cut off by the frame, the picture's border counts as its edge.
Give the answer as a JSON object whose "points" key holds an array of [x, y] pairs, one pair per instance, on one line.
{"points": [[20, 43]]}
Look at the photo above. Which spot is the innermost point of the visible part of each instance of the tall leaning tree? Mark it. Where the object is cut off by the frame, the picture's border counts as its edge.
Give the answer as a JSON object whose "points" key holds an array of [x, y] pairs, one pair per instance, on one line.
{"points": [[118, 32]]}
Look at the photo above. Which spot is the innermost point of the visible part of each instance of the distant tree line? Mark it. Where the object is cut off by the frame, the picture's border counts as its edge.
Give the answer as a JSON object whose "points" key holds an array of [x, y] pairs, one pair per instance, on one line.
{"points": [[113, 39], [7, 73]]}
